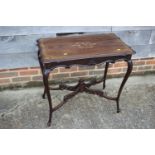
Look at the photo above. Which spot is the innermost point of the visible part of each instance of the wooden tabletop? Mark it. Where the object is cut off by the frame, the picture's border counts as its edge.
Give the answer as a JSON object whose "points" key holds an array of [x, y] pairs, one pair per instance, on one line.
{"points": [[81, 47]]}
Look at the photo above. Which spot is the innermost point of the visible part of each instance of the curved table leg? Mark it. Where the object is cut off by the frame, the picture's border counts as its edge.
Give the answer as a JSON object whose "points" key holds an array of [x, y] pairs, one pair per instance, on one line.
{"points": [[42, 70], [44, 79], [105, 74], [129, 70], [47, 90], [44, 93]]}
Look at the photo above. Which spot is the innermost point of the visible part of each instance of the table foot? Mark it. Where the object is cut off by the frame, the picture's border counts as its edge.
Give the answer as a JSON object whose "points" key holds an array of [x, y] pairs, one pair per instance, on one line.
{"points": [[103, 86], [118, 109], [49, 123], [43, 95], [50, 118]]}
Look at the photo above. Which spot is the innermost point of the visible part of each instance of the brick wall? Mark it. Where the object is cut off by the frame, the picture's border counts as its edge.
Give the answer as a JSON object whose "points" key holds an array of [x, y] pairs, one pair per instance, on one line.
{"points": [[22, 76]]}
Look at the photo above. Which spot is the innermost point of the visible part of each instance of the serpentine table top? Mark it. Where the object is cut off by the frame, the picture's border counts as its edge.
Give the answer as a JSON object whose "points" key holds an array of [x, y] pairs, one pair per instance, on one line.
{"points": [[82, 47]]}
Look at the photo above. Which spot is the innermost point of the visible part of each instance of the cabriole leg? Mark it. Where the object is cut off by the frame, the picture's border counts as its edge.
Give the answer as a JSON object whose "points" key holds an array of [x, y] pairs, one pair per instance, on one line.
{"points": [[105, 74], [129, 70], [42, 70], [43, 96], [47, 90]]}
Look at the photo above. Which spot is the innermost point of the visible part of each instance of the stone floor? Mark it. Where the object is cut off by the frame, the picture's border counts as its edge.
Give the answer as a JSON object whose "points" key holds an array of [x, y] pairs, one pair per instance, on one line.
{"points": [[24, 108]]}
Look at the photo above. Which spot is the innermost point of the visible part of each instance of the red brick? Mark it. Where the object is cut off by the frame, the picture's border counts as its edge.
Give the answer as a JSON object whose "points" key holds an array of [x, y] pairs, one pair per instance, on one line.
{"points": [[86, 67], [3, 70], [53, 71], [138, 73], [79, 74], [72, 69], [4, 81], [8, 74], [135, 68], [28, 72], [114, 70], [96, 72], [120, 64], [139, 62], [111, 65], [102, 66], [37, 78], [64, 75], [21, 79], [144, 67], [150, 62]]}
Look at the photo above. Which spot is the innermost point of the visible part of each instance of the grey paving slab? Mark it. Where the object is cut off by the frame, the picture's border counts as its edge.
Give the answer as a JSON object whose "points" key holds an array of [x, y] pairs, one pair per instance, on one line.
{"points": [[20, 44], [126, 28], [144, 51], [24, 108], [10, 61], [152, 38], [135, 37], [28, 30]]}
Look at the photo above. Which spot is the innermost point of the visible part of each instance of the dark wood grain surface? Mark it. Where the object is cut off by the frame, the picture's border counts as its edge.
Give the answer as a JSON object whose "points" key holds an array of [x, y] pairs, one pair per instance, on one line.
{"points": [[86, 46]]}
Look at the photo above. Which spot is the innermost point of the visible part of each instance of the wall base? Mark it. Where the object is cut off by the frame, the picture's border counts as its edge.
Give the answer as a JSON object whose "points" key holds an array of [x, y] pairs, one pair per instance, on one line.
{"points": [[26, 77]]}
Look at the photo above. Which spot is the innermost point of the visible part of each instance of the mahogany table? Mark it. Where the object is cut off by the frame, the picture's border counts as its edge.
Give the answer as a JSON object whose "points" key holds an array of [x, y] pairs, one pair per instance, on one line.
{"points": [[82, 50]]}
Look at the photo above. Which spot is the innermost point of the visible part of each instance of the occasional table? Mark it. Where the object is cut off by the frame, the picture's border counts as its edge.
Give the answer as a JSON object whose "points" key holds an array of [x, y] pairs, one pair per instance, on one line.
{"points": [[85, 50]]}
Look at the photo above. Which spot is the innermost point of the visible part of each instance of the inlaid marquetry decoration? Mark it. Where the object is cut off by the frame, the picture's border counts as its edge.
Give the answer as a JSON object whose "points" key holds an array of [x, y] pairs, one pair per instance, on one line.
{"points": [[84, 45]]}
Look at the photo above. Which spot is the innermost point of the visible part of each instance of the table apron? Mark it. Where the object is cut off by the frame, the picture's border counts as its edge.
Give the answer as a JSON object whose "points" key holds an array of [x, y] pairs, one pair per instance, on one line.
{"points": [[83, 62]]}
